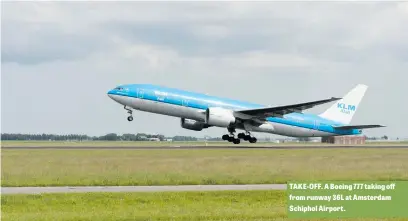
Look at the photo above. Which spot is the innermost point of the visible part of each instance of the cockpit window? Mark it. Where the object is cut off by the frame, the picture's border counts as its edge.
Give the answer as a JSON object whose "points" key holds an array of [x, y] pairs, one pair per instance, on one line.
{"points": [[119, 88]]}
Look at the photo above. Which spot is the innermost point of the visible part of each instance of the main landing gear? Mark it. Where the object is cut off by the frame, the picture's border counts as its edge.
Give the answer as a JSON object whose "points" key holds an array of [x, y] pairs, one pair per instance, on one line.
{"points": [[231, 138], [130, 118], [247, 137]]}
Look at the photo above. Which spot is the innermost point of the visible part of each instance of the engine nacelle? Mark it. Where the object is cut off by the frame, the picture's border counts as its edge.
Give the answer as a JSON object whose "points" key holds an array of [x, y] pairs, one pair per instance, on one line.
{"points": [[192, 124], [219, 117]]}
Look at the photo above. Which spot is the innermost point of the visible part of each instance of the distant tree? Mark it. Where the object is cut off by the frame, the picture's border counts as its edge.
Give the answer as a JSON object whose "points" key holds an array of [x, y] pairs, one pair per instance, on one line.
{"points": [[161, 137], [79, 137], [6, 136], [215, 139], [184, 138], [129, 137], [110, 137]]}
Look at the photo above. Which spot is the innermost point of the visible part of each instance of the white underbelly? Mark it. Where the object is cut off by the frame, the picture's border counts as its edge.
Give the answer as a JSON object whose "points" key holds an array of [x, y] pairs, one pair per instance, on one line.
{"points": [[162, 108], [284, 130], [293, 131]]}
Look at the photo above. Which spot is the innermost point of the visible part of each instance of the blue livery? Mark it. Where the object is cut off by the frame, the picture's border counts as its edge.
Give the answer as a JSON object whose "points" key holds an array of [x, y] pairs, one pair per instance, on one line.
{"points": [[170, 101]]}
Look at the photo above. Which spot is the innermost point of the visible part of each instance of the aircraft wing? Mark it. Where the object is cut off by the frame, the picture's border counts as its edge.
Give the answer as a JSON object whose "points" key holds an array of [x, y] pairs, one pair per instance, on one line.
{"points": [[349, 127], [282, 110]]}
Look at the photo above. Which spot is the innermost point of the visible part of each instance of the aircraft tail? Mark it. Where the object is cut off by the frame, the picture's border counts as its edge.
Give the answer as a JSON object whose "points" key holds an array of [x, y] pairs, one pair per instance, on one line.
{"points": [[343, 110]]}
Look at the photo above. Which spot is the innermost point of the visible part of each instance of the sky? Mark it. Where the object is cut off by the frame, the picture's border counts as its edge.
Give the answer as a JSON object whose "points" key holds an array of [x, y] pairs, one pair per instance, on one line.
{"points": [[59, 59]]}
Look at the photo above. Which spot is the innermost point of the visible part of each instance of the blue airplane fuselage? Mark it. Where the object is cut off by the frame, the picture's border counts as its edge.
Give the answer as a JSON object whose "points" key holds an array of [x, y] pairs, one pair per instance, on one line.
{"points": [[191, 105]]}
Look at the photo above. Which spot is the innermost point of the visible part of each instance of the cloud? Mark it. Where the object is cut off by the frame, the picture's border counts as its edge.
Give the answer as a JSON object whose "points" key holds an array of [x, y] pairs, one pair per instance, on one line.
{"points": [[211, 32], [194, 29], [263, 59], [26, 43]]}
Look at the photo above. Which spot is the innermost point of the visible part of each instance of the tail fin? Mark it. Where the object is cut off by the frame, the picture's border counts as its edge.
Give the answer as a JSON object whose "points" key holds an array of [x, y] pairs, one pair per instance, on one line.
{"points": [[343, 110]]}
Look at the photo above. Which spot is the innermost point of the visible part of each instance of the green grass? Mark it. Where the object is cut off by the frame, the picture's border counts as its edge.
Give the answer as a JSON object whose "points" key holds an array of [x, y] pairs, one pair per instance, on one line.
{"points": [[199, 166], [104, 143], [225, 205], [163, 143], [143, 206]]}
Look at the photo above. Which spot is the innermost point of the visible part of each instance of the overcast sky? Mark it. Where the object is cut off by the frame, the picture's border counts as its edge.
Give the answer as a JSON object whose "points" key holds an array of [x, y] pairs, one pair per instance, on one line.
{"points": [[60, 58]]}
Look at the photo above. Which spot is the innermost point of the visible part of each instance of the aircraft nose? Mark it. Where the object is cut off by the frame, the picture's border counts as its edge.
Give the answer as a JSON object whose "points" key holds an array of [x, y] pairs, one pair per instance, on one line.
{"points": [[110, 94]]}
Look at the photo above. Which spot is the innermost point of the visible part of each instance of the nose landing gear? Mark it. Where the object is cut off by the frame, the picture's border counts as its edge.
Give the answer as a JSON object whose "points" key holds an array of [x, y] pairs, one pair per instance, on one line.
{"points": [[129, 111]]}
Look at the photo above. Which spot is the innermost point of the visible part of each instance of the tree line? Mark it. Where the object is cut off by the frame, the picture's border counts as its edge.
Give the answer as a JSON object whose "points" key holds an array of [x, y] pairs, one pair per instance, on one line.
{"points": [[82, 137], [123, 137], [385, 137]]}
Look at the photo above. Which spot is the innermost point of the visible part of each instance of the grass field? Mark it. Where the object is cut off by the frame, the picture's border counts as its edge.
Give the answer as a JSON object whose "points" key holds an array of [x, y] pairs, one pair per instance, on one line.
{"points": [[199, 166], [225, 205], [163, 143], [142, 206]]}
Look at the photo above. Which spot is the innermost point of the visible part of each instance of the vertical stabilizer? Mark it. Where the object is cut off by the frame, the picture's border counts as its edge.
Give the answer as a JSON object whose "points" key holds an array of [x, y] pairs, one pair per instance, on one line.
{"points": [[343, 110]]}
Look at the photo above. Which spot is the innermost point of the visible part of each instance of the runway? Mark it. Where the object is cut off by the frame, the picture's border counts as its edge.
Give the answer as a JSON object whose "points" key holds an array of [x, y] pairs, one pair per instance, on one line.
{"points": [[84, 189], [204, 147]]}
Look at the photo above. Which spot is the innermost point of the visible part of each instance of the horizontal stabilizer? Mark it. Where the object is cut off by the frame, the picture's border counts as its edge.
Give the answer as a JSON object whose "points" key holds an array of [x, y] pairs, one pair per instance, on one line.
{"points": [[350, 127]]}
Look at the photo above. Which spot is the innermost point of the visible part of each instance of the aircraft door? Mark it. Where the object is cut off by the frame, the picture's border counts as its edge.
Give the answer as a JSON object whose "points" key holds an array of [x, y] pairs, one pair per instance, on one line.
{"points": [[317, 124], [184, 102], [315, 127]]}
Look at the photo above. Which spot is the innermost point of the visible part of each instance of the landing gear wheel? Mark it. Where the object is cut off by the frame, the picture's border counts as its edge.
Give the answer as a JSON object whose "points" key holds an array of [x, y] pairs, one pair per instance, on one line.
{"points": [[237, 141], [241, 135], [230, 137], [253, 140], [247, 137], [225, 137], [129, 111]]}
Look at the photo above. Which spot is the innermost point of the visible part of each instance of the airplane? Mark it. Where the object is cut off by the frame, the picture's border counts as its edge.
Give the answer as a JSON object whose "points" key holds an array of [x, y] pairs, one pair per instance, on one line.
{"points": [[199, 111]]}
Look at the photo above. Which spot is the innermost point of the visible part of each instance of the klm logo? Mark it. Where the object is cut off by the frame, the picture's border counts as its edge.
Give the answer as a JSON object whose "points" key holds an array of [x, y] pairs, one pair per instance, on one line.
{"points": [[160, 95], [347, 109]]}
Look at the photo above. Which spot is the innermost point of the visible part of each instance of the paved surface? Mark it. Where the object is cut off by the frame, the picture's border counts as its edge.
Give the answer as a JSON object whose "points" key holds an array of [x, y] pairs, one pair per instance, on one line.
{"points": [[83, 189], [204, 147]]}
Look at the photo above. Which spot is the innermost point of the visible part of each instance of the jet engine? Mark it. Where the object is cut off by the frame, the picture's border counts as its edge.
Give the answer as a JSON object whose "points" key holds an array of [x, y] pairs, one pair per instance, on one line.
{"points": [[192, 124], [219, 117]]}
